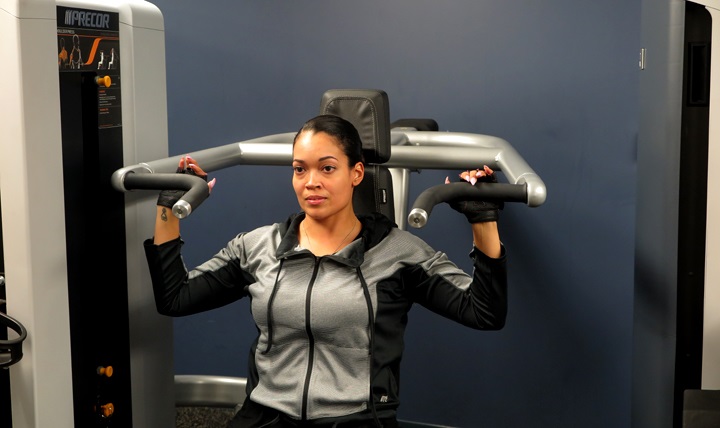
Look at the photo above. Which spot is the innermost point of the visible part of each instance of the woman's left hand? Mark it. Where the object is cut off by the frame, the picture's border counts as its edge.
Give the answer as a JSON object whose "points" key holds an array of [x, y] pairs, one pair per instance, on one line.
{"points": [[478, 211], [474, 175], [188, 165]]}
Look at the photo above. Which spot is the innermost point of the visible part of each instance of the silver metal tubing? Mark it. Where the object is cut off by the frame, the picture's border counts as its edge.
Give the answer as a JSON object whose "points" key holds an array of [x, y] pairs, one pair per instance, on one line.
{"points": [[209, 391], [269, 150], [411, 150], [441, 157], [451, 150]]}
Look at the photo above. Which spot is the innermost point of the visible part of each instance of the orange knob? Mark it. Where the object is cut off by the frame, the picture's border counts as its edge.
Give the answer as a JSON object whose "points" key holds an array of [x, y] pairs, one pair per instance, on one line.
{"points": [[107, 409], [105, 371], [103, 81]]}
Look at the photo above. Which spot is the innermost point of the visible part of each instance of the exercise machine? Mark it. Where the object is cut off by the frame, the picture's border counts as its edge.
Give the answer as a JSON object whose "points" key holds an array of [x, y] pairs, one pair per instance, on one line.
{"points": [[393, 152], [86, 95], [675, 373], [88, 110]]}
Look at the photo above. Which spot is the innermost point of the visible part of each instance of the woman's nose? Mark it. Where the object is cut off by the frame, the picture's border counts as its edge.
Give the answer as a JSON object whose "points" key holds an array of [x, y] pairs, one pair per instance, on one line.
{"points": [[312, 180]]}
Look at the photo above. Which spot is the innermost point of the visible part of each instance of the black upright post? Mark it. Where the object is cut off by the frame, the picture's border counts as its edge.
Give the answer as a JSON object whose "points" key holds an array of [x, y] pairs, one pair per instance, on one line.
{"points": [[97, 277], [692, 204]]}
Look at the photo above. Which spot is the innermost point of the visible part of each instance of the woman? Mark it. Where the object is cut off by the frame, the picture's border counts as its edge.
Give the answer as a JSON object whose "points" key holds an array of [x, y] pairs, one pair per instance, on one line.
{"points": [[330, 290]]}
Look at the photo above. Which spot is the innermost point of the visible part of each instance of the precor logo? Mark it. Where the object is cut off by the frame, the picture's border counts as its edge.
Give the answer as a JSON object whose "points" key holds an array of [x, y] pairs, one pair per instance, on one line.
{"points": [[79, 18]]}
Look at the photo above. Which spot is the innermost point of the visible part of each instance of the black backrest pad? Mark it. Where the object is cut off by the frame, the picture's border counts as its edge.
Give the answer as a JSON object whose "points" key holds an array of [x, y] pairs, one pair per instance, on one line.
{"points": [[369, 111], [375, 193]]}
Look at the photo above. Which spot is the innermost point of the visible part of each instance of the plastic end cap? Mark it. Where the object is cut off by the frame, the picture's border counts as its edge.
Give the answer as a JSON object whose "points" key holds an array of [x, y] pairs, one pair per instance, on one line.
{"points": [[417, 218], [181, 209]]}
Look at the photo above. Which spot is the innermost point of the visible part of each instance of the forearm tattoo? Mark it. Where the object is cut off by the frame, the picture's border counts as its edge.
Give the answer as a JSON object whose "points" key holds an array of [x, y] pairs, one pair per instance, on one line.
{"points": [[163, 214]]}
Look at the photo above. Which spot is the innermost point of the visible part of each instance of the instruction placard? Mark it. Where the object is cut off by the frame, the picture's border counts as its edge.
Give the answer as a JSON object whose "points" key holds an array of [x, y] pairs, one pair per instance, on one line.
{"points": [[89, 40]]}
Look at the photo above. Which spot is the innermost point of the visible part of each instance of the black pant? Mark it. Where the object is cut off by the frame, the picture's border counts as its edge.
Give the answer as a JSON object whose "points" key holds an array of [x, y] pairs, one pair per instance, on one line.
{"points": [[253, 415]]}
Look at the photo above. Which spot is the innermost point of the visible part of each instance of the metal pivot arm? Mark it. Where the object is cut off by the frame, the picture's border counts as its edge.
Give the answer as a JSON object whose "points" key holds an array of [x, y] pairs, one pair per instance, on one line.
{"points": [[196, 188], [269, 150], [454, 150], [451, 150], [411, 150], [160, 174], [462, 192]]}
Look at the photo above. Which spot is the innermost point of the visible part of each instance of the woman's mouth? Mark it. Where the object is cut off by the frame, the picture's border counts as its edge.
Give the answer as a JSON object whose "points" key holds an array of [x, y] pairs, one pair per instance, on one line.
{"points": [[315, 200]]}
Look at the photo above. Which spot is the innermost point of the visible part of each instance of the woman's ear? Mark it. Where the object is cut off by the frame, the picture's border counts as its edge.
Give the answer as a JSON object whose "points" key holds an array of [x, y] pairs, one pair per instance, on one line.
{"points": [[359, 172]]}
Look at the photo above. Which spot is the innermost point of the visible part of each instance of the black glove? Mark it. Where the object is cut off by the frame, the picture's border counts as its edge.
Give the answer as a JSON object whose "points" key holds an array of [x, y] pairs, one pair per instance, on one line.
{"points": [[168, 198], [479, 211]]}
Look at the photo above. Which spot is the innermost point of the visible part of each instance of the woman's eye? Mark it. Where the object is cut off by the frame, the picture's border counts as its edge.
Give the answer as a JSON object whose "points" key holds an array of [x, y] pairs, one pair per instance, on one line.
{"points": [[328, 168], [298, 169]]}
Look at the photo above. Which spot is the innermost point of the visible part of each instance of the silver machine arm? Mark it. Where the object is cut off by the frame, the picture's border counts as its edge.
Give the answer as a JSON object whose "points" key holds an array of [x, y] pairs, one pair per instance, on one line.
{"points": [[411, 151], [273, 150], [454, 150]]}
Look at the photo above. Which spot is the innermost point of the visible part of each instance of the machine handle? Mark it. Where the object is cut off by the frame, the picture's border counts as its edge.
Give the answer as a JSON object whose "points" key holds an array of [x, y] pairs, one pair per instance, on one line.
{"points": [[11, 350], [427, 200], [196, 188]]}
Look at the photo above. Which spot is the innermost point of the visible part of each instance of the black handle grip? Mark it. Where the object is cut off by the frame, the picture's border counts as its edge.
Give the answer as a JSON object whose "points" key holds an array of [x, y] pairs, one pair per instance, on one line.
{"points": [[196, 188], [11, 350], [427, 200]]}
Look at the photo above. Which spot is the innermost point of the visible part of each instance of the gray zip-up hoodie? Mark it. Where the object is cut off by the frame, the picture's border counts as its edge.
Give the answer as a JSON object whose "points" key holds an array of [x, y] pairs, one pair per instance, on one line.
{"points": [[330, 328]]}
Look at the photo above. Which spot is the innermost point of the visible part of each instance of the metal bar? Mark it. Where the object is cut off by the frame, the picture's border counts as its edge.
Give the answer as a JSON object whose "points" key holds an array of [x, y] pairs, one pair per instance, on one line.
{"points": [[411, 150]]}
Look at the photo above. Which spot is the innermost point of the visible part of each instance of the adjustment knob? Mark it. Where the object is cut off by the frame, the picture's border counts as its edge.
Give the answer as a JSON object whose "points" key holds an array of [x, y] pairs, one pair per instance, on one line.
{"points": [[105, 81], [105, 371], [107, 409]]}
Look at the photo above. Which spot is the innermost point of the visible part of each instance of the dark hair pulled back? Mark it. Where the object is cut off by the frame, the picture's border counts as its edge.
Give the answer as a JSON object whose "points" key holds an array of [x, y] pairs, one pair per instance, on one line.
{"points": [[342, 130]]}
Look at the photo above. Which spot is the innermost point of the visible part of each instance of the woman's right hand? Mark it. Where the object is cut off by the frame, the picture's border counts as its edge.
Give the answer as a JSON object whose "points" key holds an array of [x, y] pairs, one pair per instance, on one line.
{"points": [[191, 167], [167, 226], [186, 165]]}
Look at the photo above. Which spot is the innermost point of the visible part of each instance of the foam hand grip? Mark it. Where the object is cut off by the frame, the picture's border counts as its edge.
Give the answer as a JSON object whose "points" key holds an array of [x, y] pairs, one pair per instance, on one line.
{"points": [[457, 192], [169, 197], [195, 188]]}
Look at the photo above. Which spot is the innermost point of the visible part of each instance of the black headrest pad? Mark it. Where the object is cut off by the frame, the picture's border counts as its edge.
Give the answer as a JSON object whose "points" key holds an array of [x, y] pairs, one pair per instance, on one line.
{"points": [[369, 111]]}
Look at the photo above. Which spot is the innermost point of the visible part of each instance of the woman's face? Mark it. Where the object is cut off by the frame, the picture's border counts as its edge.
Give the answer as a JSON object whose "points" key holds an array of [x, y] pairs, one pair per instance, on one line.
{"points": [[322, 179]]}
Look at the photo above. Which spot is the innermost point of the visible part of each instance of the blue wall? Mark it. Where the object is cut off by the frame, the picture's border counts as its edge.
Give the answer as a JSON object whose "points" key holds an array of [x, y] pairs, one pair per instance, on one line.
{"points": [[558, 79]]}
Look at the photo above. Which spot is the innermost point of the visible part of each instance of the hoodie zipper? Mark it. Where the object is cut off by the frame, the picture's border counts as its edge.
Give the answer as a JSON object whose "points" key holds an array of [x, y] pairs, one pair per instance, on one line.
{"points": [[311, 339]]}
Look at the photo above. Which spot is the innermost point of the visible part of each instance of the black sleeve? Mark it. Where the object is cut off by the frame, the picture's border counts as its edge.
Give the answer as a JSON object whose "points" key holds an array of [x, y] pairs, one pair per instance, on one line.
{"points": [[489, 289], [177, 293], [480, 305]]}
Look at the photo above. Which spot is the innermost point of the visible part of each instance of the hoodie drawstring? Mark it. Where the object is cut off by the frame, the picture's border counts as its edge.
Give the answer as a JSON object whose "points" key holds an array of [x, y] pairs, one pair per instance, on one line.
{"points": [[371, 328], [269, 308]]}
